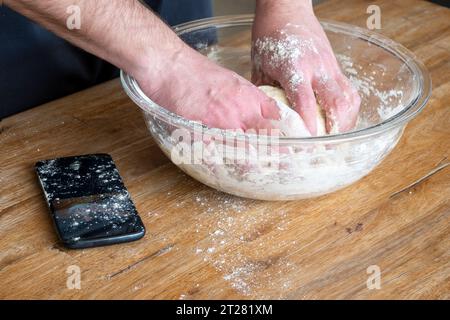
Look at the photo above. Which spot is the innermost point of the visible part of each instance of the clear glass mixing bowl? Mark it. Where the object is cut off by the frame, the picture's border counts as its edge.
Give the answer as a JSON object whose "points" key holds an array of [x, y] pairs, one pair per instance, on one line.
{"points": [[393, 84]]}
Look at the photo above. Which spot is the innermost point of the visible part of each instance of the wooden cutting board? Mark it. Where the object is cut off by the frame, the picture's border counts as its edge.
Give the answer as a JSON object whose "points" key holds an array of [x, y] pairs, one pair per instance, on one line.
{"points": [[204, 244]]}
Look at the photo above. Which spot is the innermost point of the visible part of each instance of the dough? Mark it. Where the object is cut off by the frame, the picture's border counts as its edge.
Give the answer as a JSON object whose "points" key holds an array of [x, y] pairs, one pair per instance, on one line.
{"points": [[291, 124]]}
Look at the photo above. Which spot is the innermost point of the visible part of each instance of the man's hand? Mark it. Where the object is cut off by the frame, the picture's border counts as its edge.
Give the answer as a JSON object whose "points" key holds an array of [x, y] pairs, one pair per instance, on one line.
{"points": [[198, 89], [290, 48]]}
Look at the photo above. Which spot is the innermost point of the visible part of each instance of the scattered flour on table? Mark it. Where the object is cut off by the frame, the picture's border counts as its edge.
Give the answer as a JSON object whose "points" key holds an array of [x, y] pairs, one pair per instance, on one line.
{"points": [[242, 243]]}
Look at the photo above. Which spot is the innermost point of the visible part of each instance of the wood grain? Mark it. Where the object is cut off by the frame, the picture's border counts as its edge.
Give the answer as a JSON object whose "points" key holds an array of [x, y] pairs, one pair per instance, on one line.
{"points": [[204, 244]]}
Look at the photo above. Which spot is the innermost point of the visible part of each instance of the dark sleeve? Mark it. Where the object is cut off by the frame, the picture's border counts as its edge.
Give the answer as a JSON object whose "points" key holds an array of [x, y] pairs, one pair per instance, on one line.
{"points": [[37, 66]]}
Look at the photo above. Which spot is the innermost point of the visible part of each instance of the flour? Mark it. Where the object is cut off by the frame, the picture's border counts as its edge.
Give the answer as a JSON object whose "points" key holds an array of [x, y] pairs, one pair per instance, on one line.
{"points": [[282, 51], [296, 79], [388, 102], [286, 49], [234, 232]]}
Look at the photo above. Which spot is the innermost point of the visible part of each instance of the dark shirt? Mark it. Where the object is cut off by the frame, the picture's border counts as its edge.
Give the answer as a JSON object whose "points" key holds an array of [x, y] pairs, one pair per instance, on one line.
{"points": [[36, 66]]}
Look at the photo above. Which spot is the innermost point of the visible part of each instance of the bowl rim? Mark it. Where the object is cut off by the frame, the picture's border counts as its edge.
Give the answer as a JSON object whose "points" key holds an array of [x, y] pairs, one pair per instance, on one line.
{"points": [[415, 106]]}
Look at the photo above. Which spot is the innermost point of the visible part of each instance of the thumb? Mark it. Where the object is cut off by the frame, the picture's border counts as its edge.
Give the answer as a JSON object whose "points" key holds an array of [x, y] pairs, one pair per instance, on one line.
{"points": [[270, 109]]}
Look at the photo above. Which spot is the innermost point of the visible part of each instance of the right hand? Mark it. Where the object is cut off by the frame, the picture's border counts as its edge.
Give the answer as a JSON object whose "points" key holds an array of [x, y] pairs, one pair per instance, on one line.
{"points": [[292, 49], [198, 89]]}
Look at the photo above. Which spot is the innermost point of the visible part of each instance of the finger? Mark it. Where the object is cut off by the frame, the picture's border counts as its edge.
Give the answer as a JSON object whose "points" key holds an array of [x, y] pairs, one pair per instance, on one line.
{"points": [[265, 114], [338, 103], [256, 76], [259, 78], [304, 102], [269, 108], [354, 99]]}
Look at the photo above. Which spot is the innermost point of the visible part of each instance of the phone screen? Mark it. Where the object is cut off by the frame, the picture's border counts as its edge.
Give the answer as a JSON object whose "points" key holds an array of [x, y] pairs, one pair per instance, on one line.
{"points": [[89, 203]]}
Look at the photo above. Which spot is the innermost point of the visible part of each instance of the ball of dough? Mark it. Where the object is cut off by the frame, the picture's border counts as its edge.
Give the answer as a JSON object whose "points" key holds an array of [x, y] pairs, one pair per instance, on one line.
{"points": [[288, 115]]}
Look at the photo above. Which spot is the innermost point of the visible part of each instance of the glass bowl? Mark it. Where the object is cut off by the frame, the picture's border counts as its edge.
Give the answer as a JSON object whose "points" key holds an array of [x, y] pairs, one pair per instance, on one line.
{"points": [[393, 84]]}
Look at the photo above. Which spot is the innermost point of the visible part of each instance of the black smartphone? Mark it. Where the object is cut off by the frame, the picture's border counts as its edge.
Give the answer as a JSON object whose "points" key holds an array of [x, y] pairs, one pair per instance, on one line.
{"points": [[88, 201]]}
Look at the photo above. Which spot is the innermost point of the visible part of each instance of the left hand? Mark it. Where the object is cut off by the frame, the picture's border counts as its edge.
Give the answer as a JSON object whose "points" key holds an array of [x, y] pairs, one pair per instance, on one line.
{"points": [[291, 48]]}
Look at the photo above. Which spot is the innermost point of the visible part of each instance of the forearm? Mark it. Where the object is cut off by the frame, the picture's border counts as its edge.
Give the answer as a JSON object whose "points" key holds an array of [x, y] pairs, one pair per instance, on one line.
{"points": [[123, 32]]}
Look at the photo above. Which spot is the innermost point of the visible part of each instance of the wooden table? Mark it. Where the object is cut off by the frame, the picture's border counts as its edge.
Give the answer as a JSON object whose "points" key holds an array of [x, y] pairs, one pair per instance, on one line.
{"points": [[204, 244]]}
